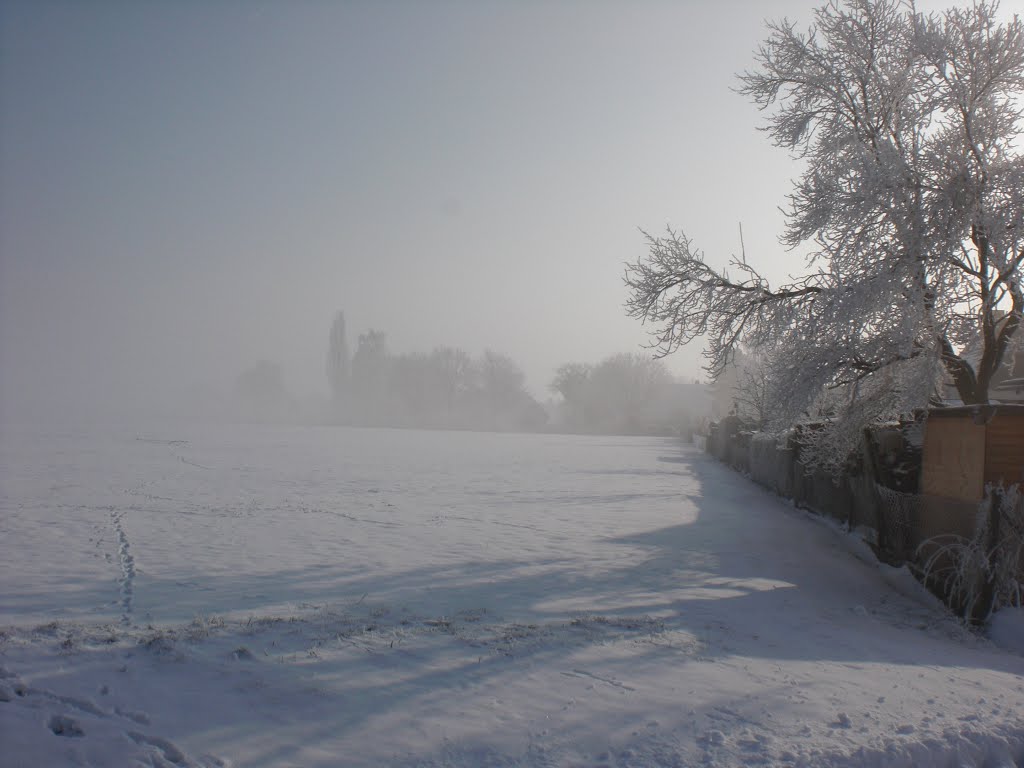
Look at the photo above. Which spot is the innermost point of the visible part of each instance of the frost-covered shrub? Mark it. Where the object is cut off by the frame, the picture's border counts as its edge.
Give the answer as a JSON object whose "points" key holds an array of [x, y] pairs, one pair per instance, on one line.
{"points": [[983, 573]]}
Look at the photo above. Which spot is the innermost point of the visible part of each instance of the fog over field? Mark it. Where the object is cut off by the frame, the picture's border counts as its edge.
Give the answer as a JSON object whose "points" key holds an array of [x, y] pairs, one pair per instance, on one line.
{"points": [[186, 191]]}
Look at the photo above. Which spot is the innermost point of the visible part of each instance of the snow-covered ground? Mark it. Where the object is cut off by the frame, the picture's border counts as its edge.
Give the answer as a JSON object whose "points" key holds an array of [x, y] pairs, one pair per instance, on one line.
{"points": [[267, 596]]}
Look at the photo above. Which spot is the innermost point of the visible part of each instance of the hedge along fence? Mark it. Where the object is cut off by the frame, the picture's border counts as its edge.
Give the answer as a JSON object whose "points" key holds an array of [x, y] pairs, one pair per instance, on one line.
{"points": [[952, 544]]}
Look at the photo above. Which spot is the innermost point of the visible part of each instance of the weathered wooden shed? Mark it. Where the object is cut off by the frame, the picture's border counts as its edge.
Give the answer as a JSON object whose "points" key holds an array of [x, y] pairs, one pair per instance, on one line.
{"points": [[965, 449], [968, 447]]}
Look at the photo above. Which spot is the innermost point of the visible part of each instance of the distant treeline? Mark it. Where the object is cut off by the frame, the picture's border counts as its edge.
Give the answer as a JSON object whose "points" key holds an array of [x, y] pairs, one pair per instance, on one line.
{"points": [[629, 394], [444, 389], [448, 388]]}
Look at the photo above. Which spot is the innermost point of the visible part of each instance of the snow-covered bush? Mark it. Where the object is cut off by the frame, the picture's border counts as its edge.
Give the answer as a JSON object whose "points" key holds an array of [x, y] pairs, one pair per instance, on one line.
{"points": [[983, 573]]}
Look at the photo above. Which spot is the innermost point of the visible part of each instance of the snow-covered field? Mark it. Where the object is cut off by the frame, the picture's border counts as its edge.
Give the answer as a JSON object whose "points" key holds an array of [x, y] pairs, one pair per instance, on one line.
{"points": [[268, 596]]}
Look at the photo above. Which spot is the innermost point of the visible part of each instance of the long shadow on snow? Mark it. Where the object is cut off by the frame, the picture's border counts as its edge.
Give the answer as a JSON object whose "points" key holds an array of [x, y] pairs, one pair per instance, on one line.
{"points": [[776, 586], [750, 577]]}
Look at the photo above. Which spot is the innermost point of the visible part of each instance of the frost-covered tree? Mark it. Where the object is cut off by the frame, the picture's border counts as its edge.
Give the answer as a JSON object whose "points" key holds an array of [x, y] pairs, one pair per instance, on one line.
{"points": [[911, 202], [751, 389]]}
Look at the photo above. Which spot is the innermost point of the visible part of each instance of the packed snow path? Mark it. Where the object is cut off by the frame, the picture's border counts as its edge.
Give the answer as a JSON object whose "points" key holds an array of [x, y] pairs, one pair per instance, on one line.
{"points": [[285, 597]]}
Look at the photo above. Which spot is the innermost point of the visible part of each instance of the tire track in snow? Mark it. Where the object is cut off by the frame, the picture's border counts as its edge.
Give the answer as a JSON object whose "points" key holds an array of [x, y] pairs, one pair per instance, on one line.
{"points": [[127, 562]]}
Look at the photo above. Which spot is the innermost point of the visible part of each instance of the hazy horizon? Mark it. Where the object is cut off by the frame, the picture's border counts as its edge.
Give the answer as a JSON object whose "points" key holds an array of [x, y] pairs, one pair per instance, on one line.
{"points": [[187, 189]]}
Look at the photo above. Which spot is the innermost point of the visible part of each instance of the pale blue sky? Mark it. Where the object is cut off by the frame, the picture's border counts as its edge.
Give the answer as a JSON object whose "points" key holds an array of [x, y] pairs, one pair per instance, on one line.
{"points": [[188, 187]]}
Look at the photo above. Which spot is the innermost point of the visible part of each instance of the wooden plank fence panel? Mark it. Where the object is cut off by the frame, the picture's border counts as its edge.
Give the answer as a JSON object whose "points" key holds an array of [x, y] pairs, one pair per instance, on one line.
{"points": [[1004, 448], [954, 459]]}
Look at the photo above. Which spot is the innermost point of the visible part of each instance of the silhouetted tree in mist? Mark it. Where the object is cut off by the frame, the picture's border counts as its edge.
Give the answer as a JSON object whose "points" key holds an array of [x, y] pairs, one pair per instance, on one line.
{"points": [[452, 372], [628, 393], [445, 389], [339, 368], [371, 377]]}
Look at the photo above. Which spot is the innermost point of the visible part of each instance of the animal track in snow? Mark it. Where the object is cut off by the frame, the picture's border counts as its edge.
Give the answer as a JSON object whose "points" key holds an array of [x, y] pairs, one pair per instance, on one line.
{"points": [[175, 447], [127, 562], [168, 750], [65, 726], [136, 717], [62, 723], [83, 705], [183, 460]]}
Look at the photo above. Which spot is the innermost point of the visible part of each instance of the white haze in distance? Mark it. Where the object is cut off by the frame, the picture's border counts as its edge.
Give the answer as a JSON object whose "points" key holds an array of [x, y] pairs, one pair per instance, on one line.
{"points": [[186, 189]]}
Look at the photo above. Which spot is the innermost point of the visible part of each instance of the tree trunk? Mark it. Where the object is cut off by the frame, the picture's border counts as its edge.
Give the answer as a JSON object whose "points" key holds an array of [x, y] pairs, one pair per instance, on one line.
{"points": [[964, 378], [982, 608]]}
